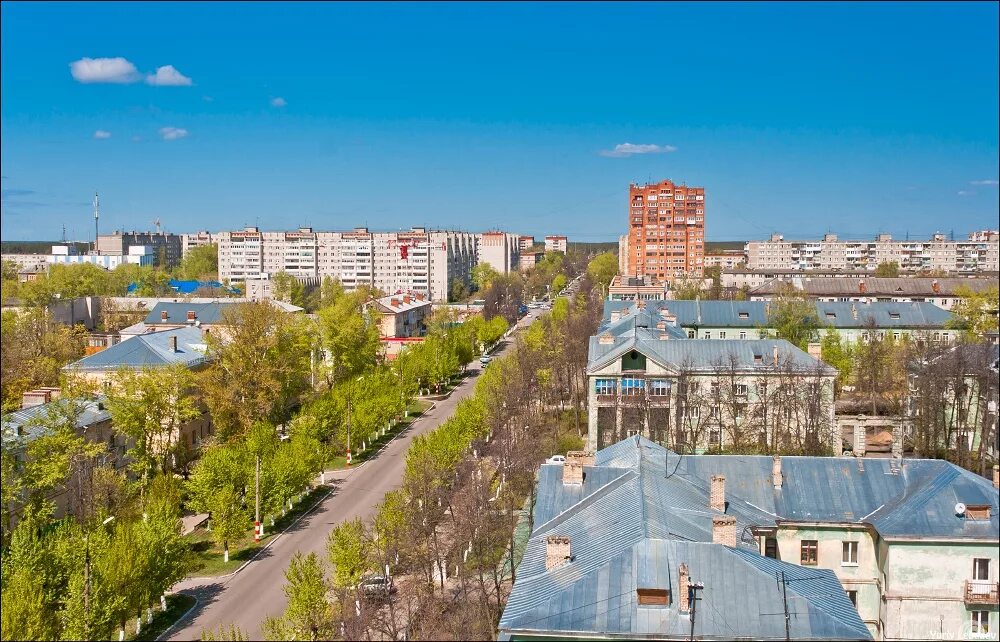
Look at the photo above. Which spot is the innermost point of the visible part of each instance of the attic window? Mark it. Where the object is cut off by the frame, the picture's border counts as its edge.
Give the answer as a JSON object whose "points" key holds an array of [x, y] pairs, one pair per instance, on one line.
{"points": [[758, 358], [653, 597], [894, 315], [977, 512], [744, 315], [831, 315]]}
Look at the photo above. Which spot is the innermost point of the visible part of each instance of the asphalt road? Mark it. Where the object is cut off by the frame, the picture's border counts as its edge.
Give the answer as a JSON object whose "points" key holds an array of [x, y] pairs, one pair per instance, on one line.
{"points": [[248, 597]]}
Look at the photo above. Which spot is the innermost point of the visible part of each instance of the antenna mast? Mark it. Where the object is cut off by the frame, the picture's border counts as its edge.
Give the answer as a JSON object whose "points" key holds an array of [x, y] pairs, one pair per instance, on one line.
{"points": [[97, 215]]}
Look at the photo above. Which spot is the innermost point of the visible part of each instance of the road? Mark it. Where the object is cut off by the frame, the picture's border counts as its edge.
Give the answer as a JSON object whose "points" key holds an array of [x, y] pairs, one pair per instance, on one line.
{"points": [[248, 597]]}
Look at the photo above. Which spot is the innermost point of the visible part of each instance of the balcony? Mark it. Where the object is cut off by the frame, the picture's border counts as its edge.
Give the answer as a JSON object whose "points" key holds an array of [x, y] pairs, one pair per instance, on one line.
{"points": [[981, 592]]}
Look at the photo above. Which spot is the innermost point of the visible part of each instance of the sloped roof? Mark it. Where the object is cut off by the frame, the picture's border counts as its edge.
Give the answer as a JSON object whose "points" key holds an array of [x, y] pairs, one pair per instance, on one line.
{"points": [[210, 313], [23, 421], [704, 354], [152, 349], [876, 286], [754, 314], [631, 523]]}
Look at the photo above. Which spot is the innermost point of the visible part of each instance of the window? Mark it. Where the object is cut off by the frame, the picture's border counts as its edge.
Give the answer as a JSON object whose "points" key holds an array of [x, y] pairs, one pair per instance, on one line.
{"points": [[653, 597], [722, 335], [981, 568], [810, 549], [741, 390], [980, 621], [744, 315], [850, 557], [690, 334], [713, 437], [708, 334], [743, 334], [605, 386], [659, 388], [771, 547], [632, 386], [853, 597]]}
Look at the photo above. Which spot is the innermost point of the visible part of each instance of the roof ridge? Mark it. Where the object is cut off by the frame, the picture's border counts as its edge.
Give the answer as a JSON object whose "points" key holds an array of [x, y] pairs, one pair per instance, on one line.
{"points": [[606, 489]]}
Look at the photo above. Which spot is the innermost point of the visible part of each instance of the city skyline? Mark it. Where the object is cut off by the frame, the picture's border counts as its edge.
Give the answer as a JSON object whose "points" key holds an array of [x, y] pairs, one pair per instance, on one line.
{"points": [[473, 117]]}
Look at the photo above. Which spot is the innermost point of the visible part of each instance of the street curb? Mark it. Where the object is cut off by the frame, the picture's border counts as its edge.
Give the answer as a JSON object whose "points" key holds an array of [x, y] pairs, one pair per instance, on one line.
{"points": [[180, 619]]}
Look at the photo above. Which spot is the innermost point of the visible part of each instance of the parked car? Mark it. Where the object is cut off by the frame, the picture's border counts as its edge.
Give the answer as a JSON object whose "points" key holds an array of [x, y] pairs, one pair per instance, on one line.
{"points": [[377, 587], [485, 360], [556, 459]]}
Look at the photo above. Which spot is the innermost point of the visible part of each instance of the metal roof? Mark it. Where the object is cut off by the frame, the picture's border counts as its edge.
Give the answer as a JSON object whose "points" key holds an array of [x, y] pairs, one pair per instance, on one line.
{"points": [[631, 523], [754, 314], [21, 426], [705, 355], [152, 349], [178, 312], [876, 286]]}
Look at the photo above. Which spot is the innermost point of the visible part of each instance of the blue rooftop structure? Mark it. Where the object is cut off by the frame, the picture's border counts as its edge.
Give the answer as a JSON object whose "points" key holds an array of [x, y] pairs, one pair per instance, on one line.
{"points": [[631, 524], [177, 313], [21, 426], [754, 314], [189, 286], [149, 350]]}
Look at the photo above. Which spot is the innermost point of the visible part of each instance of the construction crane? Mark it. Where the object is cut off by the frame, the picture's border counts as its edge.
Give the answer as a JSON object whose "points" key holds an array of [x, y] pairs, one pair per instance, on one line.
{"points": [[156, 222]]}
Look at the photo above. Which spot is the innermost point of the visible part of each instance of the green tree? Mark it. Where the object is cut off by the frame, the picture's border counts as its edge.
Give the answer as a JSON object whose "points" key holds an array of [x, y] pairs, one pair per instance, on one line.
{"points": [[888, 269], [483, 275], [350, 337], [837, 353], [261, 366], [307, 615], [287, 288], [457, 290], [688, 289], [232, 634], [792, 316], [229, 517], [975, 312], [33, 350], [201, 263], [151, 406], [602, 268], [349, 552]]}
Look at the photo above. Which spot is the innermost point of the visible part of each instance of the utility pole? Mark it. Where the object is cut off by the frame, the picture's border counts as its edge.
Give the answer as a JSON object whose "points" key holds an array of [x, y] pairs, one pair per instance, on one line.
{"points": [[97, 215], [693, 589], [784, 598]]}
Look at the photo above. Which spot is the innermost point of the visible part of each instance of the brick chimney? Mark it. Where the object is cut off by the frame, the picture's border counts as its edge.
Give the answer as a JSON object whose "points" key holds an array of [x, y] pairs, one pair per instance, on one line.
{"points": [[717, 496], [420, 297], [191, 315], [573, 467], [683, 587], [606, 339], [776, 477], [406, 298], [394, 303], [615, 315], [557, 551], [815, 350], [775, 355], [936, 286], [724, 530], [996, 475], [861, 286], [173, 343], [163, 315]]}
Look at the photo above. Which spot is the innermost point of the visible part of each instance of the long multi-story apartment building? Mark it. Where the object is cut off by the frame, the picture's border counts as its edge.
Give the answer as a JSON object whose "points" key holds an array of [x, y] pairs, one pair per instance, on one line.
{"points": [[419, 260], [979, 253], [166, 247], [500, 250], [666, 230], [196, 239]]}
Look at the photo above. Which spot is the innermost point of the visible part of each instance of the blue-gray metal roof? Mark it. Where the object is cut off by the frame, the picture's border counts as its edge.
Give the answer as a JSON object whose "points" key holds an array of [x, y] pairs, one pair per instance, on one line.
{"points": [[210, 313], [150, 350], [22, 426], [705, 355], [918, 501], [754, 314]]}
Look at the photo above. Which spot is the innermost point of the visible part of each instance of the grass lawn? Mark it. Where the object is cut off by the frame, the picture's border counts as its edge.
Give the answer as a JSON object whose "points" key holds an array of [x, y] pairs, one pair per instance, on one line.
{"points": [[416, 408], [205, 557], [177, 605]]}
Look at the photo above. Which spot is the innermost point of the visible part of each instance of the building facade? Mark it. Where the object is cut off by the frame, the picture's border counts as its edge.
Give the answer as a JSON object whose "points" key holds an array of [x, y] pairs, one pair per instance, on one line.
{"points": [[197, 239], [500, 250], [135, 255], [417, 260], [555, 244], [980, 252], [943, 292], [666, 230], [165, 248]]}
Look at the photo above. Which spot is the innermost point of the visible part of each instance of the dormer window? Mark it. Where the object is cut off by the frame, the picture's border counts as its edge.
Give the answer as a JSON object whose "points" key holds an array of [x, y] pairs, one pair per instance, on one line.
{"points": [[653, 597], [744, 315], [977, 512], [831, 315], [894, 315]]}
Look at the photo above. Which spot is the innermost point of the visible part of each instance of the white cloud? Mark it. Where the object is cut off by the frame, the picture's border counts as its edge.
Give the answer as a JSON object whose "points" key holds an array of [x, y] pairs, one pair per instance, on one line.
{"points": [[965, 192], [173, 133], [983, 183], [628, 149], [168, 76], [278, 102], [136, 139], [104, 70], [101, 134]]}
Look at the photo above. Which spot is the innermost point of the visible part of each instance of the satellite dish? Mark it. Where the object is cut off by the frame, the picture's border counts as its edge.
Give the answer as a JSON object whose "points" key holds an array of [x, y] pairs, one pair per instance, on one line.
{"points": [[960, 508]]}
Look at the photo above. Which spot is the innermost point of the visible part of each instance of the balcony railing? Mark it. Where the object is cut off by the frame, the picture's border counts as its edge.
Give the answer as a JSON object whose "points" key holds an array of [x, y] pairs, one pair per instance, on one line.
{"points": [[981, 592]]}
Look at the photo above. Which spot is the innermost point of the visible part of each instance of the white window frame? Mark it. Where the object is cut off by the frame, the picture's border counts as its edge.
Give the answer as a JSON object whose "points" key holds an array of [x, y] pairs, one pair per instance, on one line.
{"points": [[980, 622], [849, 550]]}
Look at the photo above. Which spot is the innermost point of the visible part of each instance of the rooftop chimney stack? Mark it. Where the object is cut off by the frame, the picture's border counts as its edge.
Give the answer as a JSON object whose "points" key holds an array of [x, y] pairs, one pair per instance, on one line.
{"points": [[724, 530], [191, 315], [683, 587], [717, 496], [173, 343], [776, 477], [573, 467], [776, 355], [557, 551], [815, 351], [163, 315]]}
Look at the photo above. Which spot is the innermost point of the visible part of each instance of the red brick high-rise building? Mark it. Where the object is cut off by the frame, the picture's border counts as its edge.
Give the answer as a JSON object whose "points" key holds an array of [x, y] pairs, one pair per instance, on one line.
{"points": [[666, 236]]}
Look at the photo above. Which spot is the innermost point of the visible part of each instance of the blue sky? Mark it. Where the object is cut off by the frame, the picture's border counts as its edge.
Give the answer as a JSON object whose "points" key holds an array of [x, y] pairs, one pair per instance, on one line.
{"points": [[855, 118]]}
